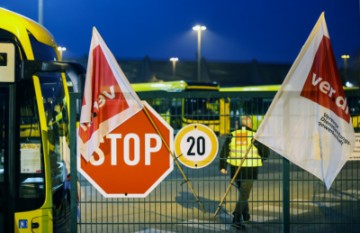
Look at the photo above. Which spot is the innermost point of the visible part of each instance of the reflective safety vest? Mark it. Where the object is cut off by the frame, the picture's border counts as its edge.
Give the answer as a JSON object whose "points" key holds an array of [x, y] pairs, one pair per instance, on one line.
{"points": [[240, 141]]}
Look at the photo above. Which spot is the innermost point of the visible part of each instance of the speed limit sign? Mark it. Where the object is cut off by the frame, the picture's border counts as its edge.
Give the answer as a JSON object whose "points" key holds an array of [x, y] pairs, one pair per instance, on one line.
{"points": [[196, 145]]}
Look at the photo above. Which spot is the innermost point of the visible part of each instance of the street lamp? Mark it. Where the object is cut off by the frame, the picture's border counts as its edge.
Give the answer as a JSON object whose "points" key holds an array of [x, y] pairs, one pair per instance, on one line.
{"points": [[345, 57], [199, 28], [61, 51], [41, 12], [174, 60]]}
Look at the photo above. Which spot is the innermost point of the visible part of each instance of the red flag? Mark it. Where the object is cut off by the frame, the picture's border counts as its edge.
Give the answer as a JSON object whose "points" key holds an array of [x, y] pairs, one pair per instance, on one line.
{"points": [[108, 99], [308, 121]]}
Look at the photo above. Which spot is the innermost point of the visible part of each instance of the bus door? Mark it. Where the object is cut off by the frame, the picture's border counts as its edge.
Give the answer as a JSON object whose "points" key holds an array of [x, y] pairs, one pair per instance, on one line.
{"points": [[22, 174]]}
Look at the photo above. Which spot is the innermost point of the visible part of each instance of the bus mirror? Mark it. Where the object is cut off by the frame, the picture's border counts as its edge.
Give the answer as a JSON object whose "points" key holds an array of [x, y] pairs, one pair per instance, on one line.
{"points": [[7, 62], [74, 72]]}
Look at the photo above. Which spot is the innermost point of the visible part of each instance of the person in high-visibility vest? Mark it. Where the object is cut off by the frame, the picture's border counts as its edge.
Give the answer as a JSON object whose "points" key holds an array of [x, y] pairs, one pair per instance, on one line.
{"points": [[234, 150]]}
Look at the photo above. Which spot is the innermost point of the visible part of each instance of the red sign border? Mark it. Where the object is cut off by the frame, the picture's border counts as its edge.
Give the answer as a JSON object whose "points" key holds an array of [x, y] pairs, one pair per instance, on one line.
{"points": [[155, 184]]}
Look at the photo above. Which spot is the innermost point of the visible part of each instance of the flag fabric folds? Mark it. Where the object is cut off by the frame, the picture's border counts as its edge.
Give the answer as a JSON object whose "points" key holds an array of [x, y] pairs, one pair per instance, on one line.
{"points": [[308, 122], [108, 98]]}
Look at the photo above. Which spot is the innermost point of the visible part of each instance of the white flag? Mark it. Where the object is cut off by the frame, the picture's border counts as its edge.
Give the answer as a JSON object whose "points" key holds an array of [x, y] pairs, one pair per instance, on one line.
{"points": [[308, 121], [108, 99]]}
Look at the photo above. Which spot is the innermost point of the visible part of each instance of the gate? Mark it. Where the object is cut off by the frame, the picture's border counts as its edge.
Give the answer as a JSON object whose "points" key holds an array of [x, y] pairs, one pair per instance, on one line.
{"points": [[284, 198]]}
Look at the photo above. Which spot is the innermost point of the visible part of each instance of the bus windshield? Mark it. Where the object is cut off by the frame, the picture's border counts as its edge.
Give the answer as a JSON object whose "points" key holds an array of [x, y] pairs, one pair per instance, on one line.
{"points": [[42, 52], [55, 109], [32, 180]]}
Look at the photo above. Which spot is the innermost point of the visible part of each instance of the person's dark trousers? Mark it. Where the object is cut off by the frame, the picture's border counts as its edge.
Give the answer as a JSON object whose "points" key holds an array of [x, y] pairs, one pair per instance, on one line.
{"points": [[242, 205]]}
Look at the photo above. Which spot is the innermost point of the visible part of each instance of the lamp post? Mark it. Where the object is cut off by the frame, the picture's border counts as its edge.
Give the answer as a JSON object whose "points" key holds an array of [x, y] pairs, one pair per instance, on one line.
{"points": [[40, 12], [199, 29], [61, 51], [345, 57], [174, 60]]}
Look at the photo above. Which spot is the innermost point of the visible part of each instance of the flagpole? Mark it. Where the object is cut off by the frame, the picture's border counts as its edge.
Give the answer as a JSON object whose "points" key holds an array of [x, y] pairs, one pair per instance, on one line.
{"points": [[232, 180], [175, 159]]}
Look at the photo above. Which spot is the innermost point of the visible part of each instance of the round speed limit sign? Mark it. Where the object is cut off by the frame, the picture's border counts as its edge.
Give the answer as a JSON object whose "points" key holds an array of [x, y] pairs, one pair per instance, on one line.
{"points": [[196, 145]]}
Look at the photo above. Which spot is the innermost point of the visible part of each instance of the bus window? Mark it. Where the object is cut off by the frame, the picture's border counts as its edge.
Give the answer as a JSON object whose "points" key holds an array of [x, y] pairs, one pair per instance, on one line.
{"points": [[31, 179], [254, 107], [57, 123], [354, 107], [201, 108], [56, 111], [42, 52], [211, 111]]}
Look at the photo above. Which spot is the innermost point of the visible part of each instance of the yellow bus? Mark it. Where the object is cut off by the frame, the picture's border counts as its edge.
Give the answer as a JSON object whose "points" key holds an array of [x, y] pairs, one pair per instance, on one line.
{"points": [[255, 105], [189, 109], [252, 106], [34, 102]]}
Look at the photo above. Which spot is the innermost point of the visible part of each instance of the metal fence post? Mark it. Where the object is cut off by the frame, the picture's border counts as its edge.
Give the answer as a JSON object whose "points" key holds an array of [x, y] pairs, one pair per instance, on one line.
{"points": [[286, 195], [73, 167]]}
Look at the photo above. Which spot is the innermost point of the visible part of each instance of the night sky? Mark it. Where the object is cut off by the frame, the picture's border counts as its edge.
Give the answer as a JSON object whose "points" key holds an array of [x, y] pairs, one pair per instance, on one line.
{"points": [[237, 31]]}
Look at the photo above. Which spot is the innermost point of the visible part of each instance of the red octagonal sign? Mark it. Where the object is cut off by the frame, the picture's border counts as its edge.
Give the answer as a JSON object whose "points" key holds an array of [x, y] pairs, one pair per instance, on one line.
{"points": [[133, 159]]}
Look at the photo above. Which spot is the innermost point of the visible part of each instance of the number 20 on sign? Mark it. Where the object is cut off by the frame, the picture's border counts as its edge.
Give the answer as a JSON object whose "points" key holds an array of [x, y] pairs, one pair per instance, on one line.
{"points": [[196, 146]]}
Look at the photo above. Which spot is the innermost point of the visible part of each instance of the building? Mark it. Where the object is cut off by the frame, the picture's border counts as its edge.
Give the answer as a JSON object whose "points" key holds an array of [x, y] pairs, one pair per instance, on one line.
{"points": [[224, 73]]}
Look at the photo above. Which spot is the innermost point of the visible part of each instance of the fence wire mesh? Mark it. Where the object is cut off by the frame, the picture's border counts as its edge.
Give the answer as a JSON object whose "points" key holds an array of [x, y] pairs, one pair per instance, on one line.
{"points": [[284, 198]]}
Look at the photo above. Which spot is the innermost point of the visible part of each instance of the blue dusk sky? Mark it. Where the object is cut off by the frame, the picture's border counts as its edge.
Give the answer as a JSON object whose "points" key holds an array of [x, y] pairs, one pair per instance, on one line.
{"points": [[237, 30]]}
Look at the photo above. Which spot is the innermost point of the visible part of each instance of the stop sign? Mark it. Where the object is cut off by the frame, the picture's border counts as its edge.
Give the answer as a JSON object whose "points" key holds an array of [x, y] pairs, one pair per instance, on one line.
{"points": [[133, 159]]}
